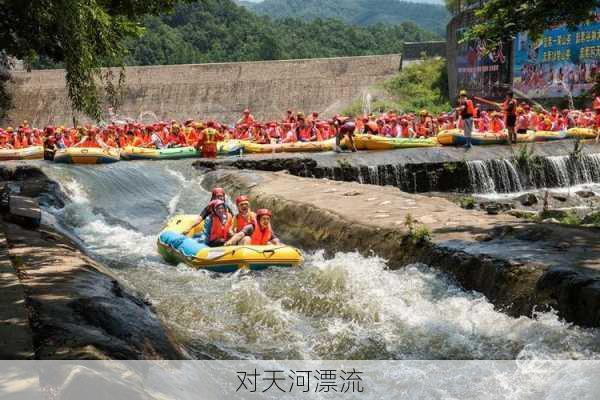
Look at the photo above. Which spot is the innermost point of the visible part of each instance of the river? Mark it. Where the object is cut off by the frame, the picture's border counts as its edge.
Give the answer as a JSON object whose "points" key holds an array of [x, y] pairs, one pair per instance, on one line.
{"points": [[345, 307]]}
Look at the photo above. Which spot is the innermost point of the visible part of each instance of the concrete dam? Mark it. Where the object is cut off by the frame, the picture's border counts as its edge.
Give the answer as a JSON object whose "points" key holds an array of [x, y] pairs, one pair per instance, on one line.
{"points": [[219, 90]]}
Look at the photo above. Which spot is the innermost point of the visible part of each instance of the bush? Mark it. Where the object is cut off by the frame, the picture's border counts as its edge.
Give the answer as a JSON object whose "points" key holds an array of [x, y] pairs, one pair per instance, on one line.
{"points": [[416, 87], [467, 202]]}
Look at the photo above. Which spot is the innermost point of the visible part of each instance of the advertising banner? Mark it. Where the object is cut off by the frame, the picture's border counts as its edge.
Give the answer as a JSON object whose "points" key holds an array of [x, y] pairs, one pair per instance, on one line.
{"points": [[561, 63], [481, 72]]}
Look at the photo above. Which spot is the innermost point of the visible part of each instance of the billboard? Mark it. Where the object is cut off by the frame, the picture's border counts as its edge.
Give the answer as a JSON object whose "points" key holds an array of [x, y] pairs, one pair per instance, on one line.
{"points": [[480, 72], [561, 63]]}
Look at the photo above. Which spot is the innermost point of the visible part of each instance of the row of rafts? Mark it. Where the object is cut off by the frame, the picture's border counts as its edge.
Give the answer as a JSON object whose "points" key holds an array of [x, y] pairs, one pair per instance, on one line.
{"points": [[489, 176]]}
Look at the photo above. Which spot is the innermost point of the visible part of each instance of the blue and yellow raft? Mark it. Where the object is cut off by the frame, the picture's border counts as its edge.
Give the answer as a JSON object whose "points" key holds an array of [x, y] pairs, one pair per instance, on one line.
{"points": [[176, 246]]}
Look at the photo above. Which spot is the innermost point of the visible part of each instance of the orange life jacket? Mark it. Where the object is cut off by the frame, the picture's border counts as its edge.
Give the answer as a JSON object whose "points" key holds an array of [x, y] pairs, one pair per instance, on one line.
{"points": [[218, 230], [241, 221], [20, 143], [261, 237], [496, 125], [89, 143]]}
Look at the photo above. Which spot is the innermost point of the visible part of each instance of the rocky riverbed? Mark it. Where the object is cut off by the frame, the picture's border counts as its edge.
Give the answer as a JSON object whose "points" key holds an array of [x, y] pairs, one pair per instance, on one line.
{"points": [[519, 265], [58, 303]]}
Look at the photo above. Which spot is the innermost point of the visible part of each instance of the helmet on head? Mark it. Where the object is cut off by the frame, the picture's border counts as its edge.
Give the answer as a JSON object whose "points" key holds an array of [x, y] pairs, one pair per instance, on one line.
{"points": [[423, 113], [218, 192], [262, 212], [241, 199], [462, 93], [213, 204]]}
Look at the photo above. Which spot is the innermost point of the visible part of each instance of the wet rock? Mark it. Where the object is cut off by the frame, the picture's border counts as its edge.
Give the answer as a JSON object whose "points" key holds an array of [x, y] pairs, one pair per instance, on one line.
{"points": [[525, 214], [528, 199], [560, 197], [78, 310], [551, 221], [585, 194], [24, 211], [554, 214], [495, 208], [592, 219]]}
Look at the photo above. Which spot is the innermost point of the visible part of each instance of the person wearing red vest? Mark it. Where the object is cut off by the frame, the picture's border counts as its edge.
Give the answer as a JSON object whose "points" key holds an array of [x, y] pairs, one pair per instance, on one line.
{"points": [[258, 234], [217, 226], [465, 115], [244, 216]]}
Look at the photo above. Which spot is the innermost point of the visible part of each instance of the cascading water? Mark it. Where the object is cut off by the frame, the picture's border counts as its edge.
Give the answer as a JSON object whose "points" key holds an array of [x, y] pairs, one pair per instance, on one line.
{"points": [[505, 176], [343, 307]]}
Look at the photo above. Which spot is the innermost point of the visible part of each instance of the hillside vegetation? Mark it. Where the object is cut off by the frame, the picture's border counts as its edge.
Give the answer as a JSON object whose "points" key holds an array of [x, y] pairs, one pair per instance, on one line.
{"points": [[416, 87], [219, 30], [431, 17]]}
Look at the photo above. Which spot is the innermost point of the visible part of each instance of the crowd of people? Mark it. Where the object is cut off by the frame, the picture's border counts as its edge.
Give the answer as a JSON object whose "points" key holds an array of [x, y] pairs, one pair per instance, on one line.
{"points": [[297, 127]]}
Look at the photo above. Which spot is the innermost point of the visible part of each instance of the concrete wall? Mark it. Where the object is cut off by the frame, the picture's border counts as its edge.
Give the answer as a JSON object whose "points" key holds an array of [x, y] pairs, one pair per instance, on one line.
{"points": [[214, 90]]}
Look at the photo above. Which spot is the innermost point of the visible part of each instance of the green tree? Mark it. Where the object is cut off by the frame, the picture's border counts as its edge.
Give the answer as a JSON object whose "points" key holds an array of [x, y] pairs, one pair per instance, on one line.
{"points": [[82, 34], [501, 20]]}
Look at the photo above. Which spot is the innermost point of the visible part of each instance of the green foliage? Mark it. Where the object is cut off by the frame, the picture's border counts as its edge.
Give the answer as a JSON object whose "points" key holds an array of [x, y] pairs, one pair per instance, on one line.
{"points": [[577, 148], [359, 12], [418, 86], [571, 219], [467, 202], [220, 31], [501, 20], [524, 155], [592, 219], [82, 34], [5, 98], [417, 234]]}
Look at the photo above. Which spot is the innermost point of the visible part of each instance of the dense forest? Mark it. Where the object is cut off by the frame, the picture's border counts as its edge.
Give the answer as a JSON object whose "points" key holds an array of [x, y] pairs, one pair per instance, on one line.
{"points": [[431, 17], [221, 31]]}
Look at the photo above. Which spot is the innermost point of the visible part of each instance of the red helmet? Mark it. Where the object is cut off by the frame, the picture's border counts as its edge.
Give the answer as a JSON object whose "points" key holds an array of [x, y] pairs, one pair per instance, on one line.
{"points": [[213, 204], [242, 199], [218, 192], [262, 212]]}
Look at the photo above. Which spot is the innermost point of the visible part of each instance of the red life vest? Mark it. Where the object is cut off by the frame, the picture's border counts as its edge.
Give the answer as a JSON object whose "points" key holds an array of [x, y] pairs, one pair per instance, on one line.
{"points": [[241, 221], [261, 237], [218, 230], [89, 143], [304, 133]]}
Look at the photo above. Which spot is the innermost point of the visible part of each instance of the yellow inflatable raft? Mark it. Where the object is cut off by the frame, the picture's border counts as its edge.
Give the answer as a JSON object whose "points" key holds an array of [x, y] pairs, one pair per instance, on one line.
{"points": [[582, 133], [175, 246], [297, 147], [374, 142], [456, 137], [87, 155], [29, 153]]}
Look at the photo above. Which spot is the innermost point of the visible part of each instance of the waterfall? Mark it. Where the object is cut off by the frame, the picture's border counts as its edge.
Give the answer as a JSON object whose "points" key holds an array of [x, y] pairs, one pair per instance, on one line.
{"points": [[480, 177], [504, 176]]}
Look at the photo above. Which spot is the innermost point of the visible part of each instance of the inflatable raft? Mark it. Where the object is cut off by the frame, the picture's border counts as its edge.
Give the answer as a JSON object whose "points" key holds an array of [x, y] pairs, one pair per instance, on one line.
{"points": [[175, 247], [374, 142], [143, 153], [582, 133], [297, 147], [548, 136], [456, 137], [87, 155], [28, 153], [230, 148]]}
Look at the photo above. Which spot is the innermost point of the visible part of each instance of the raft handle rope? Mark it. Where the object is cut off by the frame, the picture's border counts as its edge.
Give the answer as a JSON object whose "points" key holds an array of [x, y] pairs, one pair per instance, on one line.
{"points": [[232, 252]]}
